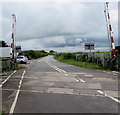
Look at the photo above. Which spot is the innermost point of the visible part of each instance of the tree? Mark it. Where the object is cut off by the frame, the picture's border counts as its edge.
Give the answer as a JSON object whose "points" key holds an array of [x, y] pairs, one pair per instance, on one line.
{"points": [[51, 51], [3, 44]]}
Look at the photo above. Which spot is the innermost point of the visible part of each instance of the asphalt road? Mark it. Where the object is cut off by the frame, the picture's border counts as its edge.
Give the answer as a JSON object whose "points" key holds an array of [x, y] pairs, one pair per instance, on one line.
{"points": [[49, 86]]}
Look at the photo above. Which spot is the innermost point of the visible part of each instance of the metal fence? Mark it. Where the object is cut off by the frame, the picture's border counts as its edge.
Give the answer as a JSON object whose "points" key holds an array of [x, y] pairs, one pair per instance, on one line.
{"points": [[7, 63]]}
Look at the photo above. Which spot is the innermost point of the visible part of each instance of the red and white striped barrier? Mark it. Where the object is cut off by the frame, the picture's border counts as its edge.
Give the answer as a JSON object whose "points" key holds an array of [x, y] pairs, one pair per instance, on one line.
{"points": [[110, 32], [12, 38]]}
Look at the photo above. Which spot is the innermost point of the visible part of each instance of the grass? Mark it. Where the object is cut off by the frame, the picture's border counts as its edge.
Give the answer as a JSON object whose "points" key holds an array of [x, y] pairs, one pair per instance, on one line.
{"points": [[80, 64], [1, 113], [12, 69], [21, 67]]}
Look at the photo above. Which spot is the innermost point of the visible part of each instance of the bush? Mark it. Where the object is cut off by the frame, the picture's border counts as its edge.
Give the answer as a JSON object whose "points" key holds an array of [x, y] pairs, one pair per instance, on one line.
{"points": [[82, 57], [34, 54], [66, 55]]}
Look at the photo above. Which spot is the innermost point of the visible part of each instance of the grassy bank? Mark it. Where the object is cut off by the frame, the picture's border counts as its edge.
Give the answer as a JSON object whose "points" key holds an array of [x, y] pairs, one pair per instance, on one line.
{"points": [[80, 63]]}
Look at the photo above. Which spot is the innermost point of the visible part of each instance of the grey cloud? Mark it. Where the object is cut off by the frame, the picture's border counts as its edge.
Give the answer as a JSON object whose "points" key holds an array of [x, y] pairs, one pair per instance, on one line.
{"points": [[54, 25]]}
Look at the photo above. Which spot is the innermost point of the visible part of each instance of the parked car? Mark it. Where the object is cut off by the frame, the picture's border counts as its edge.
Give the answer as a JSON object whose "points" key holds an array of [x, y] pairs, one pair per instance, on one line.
{"points": [[22, 59]]}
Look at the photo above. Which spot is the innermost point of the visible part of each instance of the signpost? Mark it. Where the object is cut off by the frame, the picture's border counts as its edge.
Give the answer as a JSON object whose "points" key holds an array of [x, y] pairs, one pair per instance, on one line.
{"points": [[89, 46]]}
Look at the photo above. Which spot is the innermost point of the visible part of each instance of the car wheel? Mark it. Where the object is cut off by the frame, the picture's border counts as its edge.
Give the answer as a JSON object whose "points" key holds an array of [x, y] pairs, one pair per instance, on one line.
{"points": [[21, 62]]}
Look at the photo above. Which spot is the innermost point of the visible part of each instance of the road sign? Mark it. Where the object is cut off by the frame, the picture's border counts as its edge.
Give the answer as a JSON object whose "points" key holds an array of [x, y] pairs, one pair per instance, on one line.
{"points": [[89, 46]]}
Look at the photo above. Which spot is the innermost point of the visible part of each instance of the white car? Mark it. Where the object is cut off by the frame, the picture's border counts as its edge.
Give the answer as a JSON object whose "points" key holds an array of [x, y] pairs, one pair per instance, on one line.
{"points": [[22, 59]]}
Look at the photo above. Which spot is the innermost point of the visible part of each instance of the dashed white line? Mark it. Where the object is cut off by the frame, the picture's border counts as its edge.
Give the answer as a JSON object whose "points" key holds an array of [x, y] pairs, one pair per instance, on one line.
{"points": [[77, 80], [88, 75], [101, 92], [66, 74], [82, 80], [56, 68], [17, 94], [7, 78]]}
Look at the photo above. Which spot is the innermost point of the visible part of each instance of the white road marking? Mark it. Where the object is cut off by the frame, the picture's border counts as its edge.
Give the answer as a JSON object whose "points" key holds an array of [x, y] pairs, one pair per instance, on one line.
{"points": [[99, 91], [88, 75], [82, 80], [113, 98], [7, 78], [115, 72], [17, 94], [66, 74], [55, 67], [77, 80], [81, 73], [14, 103]]}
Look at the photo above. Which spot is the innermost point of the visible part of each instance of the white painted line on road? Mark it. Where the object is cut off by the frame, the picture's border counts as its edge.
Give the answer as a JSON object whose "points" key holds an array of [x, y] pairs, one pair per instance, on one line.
{"points": [[7, 78], [115, 71], [59, 69], [66, 74], [113, 98], [99, 91], [55, 67], [78, 73], [82, 80], [115, 74], [88, 75], [14, 103], [77, 80], [17, 94]]}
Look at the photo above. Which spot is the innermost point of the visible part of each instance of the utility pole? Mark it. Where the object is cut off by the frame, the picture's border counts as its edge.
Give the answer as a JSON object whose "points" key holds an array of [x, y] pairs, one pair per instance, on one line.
{"points": [[12, 46], [109, 30]]}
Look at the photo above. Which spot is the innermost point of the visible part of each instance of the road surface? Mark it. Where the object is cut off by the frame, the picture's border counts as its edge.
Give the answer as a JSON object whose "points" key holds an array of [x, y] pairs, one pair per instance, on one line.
{"points": [[49, 86]]}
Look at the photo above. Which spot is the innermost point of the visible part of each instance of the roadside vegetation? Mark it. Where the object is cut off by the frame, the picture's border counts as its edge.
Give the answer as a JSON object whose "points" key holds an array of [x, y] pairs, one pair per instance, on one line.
{"points": [[79, 59], [19, 66], [31, 54], [1, 113], [5, 64]]}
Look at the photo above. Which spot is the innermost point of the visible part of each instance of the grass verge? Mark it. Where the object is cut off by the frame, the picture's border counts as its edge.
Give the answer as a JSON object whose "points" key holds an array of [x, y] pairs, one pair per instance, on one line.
{"points": [[1, 113], [12, 69], [80, 64], [21, 67]]}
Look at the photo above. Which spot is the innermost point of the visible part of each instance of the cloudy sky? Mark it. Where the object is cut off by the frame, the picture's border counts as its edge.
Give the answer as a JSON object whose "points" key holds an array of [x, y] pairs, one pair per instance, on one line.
{"points": [[58, 25]]}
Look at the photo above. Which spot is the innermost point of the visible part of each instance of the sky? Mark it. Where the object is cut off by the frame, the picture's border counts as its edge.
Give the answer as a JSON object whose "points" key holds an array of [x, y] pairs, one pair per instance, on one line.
{"points": [[57, 25]]}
